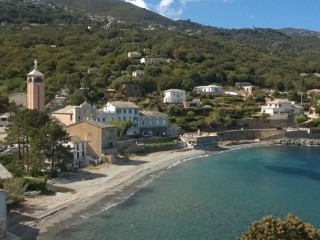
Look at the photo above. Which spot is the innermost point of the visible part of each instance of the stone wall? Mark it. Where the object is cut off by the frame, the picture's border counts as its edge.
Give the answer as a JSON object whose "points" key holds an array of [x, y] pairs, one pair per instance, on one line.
{"points": [[264, 123], [138, 146], [302, 134], [248, 134]]}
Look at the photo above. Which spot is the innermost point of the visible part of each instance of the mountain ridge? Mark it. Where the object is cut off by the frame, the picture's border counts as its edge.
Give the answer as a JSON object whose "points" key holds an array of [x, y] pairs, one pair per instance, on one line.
{"points": [[133, 14]]}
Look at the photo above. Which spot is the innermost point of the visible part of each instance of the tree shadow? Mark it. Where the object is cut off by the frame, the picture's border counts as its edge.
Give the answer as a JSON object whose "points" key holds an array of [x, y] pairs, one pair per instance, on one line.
{"points": [[22, 226], [296, 171], [130, 163], [71, 177]]}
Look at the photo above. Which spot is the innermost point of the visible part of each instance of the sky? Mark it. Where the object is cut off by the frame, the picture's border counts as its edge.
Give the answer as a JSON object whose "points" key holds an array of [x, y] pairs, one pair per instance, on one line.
{"points": [[230, 14]]}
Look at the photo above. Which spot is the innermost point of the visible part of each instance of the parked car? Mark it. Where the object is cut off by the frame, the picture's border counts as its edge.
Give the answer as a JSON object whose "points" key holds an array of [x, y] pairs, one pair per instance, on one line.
{"points": [[134, 136]]}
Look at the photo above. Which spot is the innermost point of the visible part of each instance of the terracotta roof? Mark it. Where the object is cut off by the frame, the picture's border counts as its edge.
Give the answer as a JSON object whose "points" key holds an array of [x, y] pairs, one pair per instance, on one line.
{"points": [[66, 110], [122, 104], [98, 124], [92, 122], [314, 90]]}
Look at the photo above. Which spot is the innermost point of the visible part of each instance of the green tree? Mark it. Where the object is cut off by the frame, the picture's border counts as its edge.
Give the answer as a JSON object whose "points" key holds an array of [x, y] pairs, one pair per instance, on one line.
{"points": [[122, 126], [291, 228], [4, 104], [76, 98], [298, 119], [49, 140], [21, 126]]}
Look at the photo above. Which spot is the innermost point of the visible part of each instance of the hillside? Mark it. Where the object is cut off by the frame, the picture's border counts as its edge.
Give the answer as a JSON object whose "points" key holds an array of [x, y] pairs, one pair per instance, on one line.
{"points": [[120, 10], [299, 32], [66, 48]]}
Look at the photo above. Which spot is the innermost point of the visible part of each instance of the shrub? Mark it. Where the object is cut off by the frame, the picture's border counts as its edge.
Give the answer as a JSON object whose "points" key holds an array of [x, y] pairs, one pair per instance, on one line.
{"points": [[35, 184], [16, 188], [289, 228]]}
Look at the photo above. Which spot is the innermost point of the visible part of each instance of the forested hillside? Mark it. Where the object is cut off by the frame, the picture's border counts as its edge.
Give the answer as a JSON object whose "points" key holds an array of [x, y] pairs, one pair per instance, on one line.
{"points": [[67, 43]]}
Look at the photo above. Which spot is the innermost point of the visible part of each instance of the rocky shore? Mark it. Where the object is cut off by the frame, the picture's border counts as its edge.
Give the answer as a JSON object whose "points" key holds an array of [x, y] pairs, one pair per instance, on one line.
{"points": [[295, 142]]}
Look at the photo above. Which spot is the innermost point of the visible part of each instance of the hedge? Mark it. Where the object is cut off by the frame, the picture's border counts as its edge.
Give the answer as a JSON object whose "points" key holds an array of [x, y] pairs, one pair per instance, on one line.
{"points": [[35, 184]]}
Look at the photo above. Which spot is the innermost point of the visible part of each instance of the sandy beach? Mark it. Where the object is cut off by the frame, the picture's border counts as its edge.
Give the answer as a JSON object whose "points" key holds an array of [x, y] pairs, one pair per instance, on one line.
{"points": [[90, 185]]}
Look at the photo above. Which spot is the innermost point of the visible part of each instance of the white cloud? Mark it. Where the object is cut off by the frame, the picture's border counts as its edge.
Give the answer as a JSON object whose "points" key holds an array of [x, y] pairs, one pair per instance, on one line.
{"points": [[139, 3], [169, 8], [166, 8]]}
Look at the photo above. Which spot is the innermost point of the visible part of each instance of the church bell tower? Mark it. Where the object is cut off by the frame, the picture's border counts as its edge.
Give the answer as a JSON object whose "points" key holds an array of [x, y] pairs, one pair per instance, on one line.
{"points": [[35, 89]]}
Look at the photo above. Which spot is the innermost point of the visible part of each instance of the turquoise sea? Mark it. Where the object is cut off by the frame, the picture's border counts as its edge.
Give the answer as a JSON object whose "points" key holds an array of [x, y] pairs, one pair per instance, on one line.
{"points": [[214, 197]]}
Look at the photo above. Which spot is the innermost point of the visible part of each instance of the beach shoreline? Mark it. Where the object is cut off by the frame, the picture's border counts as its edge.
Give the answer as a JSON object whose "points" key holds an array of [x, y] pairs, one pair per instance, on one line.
{"points": [[48, 211]]}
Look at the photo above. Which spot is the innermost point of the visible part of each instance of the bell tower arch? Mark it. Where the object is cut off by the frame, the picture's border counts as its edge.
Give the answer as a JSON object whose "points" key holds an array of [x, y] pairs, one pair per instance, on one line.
{"points": [[35, 89]]}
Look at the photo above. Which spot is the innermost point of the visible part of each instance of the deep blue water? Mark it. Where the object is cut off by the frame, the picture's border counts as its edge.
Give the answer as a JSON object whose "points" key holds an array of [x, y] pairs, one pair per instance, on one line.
{"points": [[214, 197]]}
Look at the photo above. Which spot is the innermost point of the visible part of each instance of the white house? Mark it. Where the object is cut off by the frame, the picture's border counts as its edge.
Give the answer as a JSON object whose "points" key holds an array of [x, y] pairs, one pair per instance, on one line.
{"points": [[281, 109], [250, 89], [4, 122], [105, 117], [134, 54], [153, 122], [211, 89], [123, 111], [148, 60], [174, 96], [138, 73], [78, 148]]}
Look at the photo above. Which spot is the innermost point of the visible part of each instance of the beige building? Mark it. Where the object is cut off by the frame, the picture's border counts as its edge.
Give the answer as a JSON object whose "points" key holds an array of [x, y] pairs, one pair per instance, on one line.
{"points": [[73, 114], [20, 99], [134, 54], [35, 89], [101, 138]]}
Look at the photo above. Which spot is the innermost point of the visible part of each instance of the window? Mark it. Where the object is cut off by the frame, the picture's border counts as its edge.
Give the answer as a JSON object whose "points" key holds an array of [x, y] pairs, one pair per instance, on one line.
{"points": [[103, 119], [135, 111], [124, 118], [130, 111], [78, 155], [83, 154], [71, 116], [38, 80], [124, 110]]}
